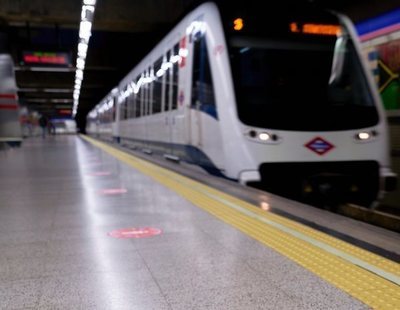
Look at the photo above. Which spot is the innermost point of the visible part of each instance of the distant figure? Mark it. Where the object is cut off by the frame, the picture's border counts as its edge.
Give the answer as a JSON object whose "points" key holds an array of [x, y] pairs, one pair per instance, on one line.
{"points": [[43, 121], [51, 128]]}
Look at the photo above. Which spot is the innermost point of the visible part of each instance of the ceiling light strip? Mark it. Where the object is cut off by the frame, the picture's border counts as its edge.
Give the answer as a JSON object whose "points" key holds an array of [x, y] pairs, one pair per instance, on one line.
{"points": [[85, 31]]}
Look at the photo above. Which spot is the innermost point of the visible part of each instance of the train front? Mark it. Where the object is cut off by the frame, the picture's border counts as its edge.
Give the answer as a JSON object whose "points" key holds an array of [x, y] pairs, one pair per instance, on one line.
{"points": [[308, 109]]}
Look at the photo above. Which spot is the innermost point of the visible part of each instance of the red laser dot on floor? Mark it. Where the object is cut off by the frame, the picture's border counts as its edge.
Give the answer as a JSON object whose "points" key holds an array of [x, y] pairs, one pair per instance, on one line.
{"points": [[126, 233], [113, 191]]}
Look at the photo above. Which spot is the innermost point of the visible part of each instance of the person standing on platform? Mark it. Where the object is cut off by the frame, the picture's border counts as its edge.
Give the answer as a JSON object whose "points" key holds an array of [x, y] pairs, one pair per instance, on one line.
{"points": [[51, 128], [43, 121]]}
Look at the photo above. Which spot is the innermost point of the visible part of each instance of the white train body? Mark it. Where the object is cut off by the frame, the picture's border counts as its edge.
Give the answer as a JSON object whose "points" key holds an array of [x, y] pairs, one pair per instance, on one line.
{"points": [[10, 127], [192, 98]]}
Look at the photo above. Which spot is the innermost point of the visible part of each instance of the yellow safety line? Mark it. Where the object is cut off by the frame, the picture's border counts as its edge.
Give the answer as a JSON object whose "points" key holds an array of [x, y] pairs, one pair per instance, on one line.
{"points": [[371, 258], [310, 248]]}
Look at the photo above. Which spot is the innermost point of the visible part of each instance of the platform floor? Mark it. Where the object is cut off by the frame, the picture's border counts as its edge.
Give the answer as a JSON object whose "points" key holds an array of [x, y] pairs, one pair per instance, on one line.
{"points": [[62, 197]]}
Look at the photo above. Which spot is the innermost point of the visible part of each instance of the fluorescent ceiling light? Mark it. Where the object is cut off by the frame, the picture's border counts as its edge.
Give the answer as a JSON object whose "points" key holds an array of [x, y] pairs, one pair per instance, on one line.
{"points": [[82, 49], [80, 63], [85, 30], [89, 2], [87, 12], [79, 74]]}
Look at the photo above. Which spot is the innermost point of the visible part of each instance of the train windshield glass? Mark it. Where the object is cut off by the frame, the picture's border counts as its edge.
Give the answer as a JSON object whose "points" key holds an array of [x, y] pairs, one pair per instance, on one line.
{"points": [[305, 82]]}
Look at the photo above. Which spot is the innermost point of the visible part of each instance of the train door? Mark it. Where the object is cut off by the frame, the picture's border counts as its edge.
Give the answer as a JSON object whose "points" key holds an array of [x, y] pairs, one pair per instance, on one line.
{"points": [[195, 115], [146, 108], [202, 93], [174, 112], [115, 118]]}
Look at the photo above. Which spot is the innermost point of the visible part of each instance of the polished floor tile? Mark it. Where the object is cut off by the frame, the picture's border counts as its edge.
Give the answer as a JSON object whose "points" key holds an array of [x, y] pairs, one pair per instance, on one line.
{"points": [[56, 251]]}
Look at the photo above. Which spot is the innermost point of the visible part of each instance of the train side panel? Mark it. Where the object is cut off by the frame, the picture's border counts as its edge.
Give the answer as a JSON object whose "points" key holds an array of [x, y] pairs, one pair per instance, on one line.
{"points": [[181, 130]]}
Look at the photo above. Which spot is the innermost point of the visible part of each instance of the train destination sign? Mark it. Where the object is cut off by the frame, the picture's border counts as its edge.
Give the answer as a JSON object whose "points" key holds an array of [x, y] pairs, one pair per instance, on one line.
{"points": [[317, 29]]}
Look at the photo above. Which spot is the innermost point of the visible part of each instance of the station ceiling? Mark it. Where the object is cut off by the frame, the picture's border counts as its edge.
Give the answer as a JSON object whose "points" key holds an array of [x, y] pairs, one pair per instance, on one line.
{"points": [[123, 32]]}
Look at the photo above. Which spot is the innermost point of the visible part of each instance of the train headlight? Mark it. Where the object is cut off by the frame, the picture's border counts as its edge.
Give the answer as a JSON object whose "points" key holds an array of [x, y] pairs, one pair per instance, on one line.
{"points": [[365, 136], [263, 136]]}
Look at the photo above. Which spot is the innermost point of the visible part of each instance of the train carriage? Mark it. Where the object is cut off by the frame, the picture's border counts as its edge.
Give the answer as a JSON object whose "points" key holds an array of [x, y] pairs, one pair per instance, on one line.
{"points": [[10, 127], [280, 100], [101, 121]]}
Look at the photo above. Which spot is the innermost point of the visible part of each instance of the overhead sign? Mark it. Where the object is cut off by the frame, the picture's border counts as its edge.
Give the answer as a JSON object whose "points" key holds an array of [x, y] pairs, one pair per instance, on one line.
{"points": [[317, 29], [40, 58]]}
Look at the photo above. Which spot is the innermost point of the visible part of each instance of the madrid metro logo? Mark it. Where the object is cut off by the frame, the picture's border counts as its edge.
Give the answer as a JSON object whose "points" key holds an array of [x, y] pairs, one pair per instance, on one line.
{"points": [[319, 146]]}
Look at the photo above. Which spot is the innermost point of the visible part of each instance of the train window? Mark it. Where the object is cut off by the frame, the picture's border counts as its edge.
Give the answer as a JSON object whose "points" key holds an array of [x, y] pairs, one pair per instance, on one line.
{"points": [[126, 116], [175, 73], [141, 96], [297, 84], [147, 97], [131, 106], [157, 86], [113, 113], [145, 87], [202, 88], [137, 100], [124, 109], [149, 92], [168, 85], [164, 98], [107, 118]]}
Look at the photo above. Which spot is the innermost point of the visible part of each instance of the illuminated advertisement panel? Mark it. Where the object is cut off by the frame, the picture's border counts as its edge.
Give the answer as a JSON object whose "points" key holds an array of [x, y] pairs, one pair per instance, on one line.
{"points": [[41, 58]]}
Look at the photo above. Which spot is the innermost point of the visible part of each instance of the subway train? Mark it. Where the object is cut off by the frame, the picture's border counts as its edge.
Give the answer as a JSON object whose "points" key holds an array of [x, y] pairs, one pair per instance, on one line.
{"points": [[10, 127], [280, 100]]}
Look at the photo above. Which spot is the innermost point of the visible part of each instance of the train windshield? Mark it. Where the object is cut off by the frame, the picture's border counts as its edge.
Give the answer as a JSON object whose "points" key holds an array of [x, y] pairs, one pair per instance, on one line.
{"points": [[305, 82]]}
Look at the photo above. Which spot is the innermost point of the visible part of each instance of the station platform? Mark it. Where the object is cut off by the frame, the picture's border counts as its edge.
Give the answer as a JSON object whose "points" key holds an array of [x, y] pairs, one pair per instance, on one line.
{"points": [[85, 225]]}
